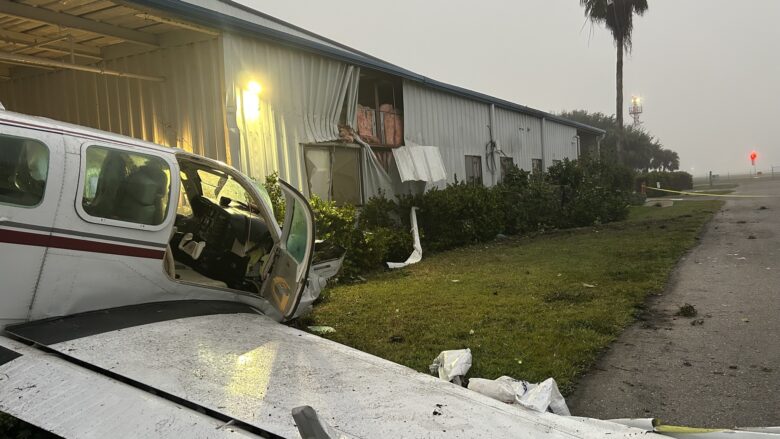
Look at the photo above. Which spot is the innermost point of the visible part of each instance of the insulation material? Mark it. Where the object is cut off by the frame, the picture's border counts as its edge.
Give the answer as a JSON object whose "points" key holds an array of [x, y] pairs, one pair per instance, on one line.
{"points": [[392, 124], [419, 163], [366, 124], [416, 255], [280, 99]]}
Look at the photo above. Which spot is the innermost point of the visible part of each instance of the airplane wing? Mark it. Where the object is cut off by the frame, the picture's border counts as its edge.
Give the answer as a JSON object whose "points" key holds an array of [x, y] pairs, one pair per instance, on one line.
{"points": [[194, 367]]}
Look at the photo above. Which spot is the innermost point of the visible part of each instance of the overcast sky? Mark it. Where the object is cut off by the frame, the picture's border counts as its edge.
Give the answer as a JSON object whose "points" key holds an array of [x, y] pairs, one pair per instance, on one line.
{"points": [[708, 70]]}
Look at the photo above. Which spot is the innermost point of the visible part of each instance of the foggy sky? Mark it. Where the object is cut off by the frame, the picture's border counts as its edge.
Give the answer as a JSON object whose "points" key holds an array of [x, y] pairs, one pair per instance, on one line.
{"points": [[708, 70]]}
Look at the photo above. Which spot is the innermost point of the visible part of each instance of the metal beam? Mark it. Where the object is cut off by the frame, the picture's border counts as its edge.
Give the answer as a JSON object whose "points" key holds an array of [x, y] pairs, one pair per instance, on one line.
{"points": [[17, 58], [48, 16], [40, 43], [59, 47], [177, 23]]}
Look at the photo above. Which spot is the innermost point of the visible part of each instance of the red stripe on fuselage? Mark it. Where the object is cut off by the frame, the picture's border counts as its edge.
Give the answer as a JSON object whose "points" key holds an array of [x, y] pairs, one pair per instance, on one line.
{"points": [[41, 240]]}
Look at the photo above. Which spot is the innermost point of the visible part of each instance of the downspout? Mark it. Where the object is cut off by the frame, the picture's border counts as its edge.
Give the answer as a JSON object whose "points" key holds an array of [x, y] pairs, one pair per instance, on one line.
{"points": [[544, 163], [577, 139], [493, 146], [598, 145]]}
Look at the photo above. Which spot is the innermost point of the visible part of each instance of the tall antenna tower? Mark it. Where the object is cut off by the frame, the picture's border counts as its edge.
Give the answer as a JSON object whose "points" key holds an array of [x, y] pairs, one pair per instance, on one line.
{"points": [[635, 110]]}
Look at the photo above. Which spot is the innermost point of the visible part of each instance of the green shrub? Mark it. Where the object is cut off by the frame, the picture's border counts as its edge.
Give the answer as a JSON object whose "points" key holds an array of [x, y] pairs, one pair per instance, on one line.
{"points": [[570, 194], [677, 181], [459, 214]]}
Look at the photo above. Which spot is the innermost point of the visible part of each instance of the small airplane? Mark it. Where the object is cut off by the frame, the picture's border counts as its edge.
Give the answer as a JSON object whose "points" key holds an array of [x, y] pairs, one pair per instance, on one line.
{"points": [[141, 290]]}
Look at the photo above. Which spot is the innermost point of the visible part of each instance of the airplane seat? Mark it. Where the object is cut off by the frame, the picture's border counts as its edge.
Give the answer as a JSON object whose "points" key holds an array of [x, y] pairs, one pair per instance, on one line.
{"points": [[143, 196], [113, 171]]}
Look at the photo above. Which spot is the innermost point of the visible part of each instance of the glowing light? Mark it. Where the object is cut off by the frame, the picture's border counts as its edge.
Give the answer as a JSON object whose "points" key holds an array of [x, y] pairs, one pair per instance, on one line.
{"points": [[251, 101], [254, 87]]}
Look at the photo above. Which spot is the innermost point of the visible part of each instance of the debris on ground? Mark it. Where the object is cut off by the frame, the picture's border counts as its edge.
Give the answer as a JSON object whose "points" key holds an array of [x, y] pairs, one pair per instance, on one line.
{"points": [[437, 410], [452, 365], [687, 363], [588, 285], [321, 329], [396, 339], [687, 310], [697, 322], [745, 320], [540, 397], [752, 237], [762, 208]]}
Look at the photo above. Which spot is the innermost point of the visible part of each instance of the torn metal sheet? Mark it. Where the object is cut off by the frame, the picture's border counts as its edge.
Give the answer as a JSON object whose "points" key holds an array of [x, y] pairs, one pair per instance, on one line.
{"points": [[420, 163], [416, 255]]}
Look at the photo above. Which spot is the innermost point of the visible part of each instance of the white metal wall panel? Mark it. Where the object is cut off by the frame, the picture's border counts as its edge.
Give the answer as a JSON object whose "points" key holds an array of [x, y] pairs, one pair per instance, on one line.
{"points": [[185, 111], [519, 136], [559, 142], [301, 100], [458, 126]]}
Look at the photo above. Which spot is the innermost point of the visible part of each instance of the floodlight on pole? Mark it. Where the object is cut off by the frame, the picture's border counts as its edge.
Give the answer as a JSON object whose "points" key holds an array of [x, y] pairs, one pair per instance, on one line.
{"points": [[635, 110]]}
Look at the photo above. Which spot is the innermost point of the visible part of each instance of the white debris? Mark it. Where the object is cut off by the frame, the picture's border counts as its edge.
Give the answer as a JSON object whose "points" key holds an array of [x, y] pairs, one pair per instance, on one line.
{"points": [[452, 365], [539, 397]]}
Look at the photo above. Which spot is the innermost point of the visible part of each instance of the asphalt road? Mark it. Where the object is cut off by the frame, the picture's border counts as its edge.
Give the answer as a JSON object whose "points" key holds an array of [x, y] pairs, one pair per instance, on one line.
{"points": [[722, 367]]}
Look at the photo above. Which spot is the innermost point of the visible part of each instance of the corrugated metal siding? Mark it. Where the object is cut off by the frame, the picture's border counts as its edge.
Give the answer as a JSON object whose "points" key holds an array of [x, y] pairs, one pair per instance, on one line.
{"points": [[458, 126], [559, 142], [519, 136], [185, 111], [301, 100]]}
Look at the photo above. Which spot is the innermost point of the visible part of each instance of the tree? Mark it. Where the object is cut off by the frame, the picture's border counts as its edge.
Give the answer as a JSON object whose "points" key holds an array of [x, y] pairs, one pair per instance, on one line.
{"points": [[618, 17], [641, 150]]}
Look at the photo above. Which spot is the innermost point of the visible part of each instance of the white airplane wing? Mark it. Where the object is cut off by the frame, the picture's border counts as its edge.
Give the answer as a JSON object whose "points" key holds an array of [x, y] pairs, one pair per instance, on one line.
{"points": [[195, 366]]}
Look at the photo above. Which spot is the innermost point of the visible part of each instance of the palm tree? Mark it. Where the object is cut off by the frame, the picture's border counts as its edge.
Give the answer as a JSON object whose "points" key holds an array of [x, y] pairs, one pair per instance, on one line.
{"points": [[618, 16]]}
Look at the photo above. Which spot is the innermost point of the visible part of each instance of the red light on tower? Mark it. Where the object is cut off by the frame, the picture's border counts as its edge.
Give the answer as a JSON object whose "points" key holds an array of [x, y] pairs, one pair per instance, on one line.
{"points": [[753, 157]]}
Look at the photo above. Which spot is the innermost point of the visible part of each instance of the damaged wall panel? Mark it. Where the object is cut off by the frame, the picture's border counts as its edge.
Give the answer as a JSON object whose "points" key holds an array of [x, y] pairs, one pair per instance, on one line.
{"points": [[184, 111], [458, 126], [279, 99]]}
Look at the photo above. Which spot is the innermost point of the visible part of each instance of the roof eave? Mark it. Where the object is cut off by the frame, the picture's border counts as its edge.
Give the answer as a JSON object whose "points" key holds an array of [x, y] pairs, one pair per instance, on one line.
{"points": [[345, 53]]}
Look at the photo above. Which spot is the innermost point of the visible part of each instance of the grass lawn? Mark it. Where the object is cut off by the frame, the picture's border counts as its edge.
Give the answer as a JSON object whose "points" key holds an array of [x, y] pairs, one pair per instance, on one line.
{"points": [[529, 308]]}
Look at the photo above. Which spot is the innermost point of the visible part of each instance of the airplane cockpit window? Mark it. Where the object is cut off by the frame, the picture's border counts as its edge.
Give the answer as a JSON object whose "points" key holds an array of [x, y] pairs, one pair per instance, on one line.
{"points": [[126, 186], [24, 166], [221, 237]]}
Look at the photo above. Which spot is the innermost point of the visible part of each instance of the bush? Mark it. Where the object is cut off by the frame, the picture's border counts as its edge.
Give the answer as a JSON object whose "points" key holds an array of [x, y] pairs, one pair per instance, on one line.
{"points": [[571, 194], [460, 214], [677, 181]]}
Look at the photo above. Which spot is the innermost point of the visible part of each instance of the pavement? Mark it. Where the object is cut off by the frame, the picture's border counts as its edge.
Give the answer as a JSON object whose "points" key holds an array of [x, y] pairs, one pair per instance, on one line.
{"points": [[720, 368]]}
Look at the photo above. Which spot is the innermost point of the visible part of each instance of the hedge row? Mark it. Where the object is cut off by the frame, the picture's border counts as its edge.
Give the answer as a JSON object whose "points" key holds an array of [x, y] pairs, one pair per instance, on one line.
{"points": [[678, 181], [570, 194]]}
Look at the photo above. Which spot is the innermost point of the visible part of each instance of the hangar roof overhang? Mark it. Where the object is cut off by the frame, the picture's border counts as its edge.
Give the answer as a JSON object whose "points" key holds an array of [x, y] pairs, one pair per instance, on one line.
{"points": [[233, 16], [78, 34]]}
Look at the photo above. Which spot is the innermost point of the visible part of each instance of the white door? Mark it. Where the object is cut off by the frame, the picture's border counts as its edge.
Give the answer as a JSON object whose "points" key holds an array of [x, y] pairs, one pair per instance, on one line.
{"points": [[31, 178], [292, 255]]}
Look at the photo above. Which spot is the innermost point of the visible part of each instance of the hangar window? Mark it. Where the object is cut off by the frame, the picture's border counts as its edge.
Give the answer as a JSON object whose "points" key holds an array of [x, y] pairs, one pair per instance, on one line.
{"points": [[536, 166], [507, 164], [24, 166], [334, 173], [474, 169], [125, 186]]}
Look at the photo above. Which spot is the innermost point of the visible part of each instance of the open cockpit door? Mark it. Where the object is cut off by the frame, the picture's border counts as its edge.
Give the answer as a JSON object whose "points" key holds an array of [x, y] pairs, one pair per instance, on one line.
{"points": [[292, 255]]}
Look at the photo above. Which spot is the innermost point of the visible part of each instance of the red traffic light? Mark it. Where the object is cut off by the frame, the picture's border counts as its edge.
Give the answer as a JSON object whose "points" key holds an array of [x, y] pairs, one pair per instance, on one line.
{"points": [[753, 155]]}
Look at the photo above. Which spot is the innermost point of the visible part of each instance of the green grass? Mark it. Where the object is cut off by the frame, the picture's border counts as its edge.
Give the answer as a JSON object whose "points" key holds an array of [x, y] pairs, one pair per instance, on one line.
{"points": [[519, 304]]}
